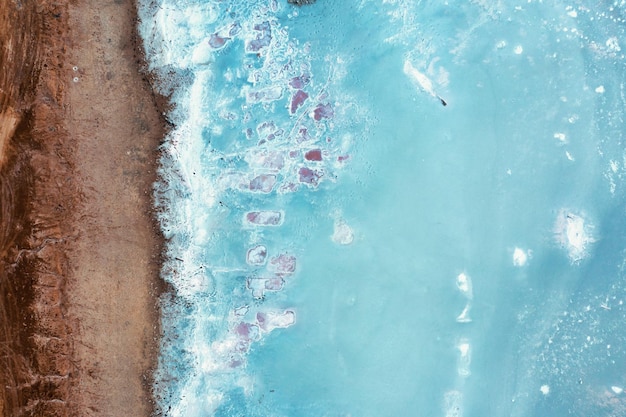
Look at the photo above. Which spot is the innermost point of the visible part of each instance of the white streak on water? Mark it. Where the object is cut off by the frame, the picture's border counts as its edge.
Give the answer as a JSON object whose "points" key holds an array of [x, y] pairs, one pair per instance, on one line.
{"points": [[420, 80]]}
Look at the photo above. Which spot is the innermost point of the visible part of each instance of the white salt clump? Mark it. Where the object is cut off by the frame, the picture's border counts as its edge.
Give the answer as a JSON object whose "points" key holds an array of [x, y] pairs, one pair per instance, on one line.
{"points": [[600, 89], [573, 234], [520, 256], [202, 54], [464, 317], [569, 156], [464, 284], [453, 403], [465, 358], [518, 50], [617, 390], [545, 389], [342, 233], [560, 137], [572, 13], [613, 44]]}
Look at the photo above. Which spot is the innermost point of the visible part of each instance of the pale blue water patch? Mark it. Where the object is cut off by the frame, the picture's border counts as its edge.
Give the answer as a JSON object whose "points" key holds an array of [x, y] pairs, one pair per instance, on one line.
{"points": [[341, 243]]}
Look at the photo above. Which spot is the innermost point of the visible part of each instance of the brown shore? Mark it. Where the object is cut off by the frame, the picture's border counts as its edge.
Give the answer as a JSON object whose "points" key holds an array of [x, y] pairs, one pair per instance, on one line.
{"points": [[79, 248]]}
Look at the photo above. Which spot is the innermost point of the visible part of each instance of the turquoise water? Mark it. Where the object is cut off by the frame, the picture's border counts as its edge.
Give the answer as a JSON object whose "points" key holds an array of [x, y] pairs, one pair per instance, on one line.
{"points": [[341, 243]]}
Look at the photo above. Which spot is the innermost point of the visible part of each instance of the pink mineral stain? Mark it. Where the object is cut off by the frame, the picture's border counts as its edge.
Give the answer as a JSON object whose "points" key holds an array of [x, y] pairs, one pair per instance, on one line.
{"points": [[297, 100], [270, 321], [288, 187], [235, 363], [263, 183], [299, 82], [256, 255], [243, 330], [343, 158], [303, 135], [313, 155], [274, 284], [216, 41], [309, 176], [263, 37], [264, 218], [261, 319], [323, 111], [273, 160], [283, 264]]}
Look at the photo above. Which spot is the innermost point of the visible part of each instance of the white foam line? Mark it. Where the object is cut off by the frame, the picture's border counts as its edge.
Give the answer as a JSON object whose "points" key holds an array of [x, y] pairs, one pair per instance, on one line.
{"points": [[423, 82]]}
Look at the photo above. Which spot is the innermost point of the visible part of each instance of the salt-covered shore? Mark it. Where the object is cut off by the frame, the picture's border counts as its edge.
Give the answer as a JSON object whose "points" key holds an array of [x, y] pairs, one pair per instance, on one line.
{"points": [[79, 250]]}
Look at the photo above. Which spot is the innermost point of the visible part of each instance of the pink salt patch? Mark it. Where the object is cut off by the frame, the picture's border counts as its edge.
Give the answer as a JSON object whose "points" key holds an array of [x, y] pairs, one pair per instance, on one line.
{"points": [[274, 284], [289, 187], [303, 135], [243, 330], [262, 39], [283, 264], [235, 363], [297, 100], [323, 111], [342, 158], [261, 319], [273, 160], [309, 176], [313, 155], [216, 41], [270, 320], [256, 255], [246, 333], [266, 95], [299, 82], [293, 154], [258, 286], [266, 128], [264, 218], [263, 183]]}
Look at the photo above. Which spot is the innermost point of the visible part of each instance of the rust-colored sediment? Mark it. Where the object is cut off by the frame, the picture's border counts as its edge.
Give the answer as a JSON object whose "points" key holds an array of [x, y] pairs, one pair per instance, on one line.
{"points": [[79, 251]]}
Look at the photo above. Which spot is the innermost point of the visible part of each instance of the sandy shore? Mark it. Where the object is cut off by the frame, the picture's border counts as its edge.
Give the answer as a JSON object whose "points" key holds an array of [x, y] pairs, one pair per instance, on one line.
{"points": [[79, 249]]}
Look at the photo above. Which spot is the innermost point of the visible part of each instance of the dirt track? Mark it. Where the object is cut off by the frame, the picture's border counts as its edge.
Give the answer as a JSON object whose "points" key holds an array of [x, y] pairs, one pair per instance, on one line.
{"points": [[79, 252]]}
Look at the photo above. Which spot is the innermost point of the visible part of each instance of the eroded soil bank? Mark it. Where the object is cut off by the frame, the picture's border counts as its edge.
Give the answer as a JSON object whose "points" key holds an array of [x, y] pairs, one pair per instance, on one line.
{"points": [[79, 250]]}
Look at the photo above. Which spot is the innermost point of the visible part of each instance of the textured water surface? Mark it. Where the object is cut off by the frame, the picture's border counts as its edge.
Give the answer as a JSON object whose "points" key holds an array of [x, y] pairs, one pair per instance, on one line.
{"points": [[392, 207]]}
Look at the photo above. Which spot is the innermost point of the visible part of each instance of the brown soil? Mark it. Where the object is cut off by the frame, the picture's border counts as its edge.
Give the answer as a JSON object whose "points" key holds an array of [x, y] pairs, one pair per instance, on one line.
{"points": [[79, 251]]}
